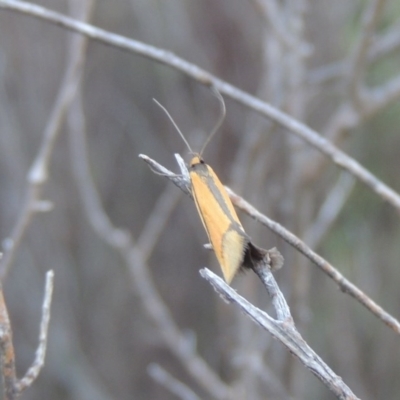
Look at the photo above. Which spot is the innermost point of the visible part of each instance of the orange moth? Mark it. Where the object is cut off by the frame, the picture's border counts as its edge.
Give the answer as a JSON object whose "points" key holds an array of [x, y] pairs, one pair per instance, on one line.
{"points": [[231, 244]]}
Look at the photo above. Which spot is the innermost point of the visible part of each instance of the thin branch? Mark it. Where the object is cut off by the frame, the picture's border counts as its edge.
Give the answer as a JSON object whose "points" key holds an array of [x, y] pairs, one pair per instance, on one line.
{"points": [[327, 72], [286, 333], [272, 13], [359, 54], [381, 96], [263, 271], [157, 221], [37, 365], [344, 284], [161, 376], [386, 43], [12, 387], [330, 209], [339, 157]]}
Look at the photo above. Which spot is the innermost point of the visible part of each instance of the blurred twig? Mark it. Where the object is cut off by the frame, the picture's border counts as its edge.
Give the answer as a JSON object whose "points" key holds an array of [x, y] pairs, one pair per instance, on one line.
{"points": [[379, 97], [255, 363], [284, 331], [157, 221], [362, 101], [329, 211], [339, 157], [39, 171], [272, 13], [37, 176], [381, 46], [386, 43], [344, 284], [161, 376], [12, 386], [360, 52]]}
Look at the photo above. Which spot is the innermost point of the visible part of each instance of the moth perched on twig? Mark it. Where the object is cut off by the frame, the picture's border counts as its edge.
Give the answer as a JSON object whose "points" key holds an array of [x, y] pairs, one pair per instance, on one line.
{"points": [[233, 247]]}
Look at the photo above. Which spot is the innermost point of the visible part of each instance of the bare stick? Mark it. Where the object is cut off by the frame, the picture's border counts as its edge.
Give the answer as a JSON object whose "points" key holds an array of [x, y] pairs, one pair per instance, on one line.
{"points": [[339, 157], [37, 365], [344, 284], [286, 333], [12, 387], [161, 376]]}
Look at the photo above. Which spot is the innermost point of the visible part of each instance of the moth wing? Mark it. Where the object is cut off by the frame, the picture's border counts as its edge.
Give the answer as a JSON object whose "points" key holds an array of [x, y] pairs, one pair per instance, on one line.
{"points": [[234, 246], [220, 220]]}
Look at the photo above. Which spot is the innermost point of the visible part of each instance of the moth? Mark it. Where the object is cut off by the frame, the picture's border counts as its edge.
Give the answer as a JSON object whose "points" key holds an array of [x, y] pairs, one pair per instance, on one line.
{"points": [[232, 246]]}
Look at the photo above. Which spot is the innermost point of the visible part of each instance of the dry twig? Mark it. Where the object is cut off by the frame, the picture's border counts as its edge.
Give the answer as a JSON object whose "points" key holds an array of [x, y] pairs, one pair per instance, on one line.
{"points": [[12, 386], [284, 331], [34, 370]]}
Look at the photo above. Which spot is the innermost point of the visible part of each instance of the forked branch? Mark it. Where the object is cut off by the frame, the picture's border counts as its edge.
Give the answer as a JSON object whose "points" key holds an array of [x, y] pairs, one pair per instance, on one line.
{"points": [[284, 331]]}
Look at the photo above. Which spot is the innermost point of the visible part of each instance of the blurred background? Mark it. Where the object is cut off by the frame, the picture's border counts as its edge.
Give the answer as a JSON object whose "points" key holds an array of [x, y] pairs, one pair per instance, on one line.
{"points": [[105, 331]]}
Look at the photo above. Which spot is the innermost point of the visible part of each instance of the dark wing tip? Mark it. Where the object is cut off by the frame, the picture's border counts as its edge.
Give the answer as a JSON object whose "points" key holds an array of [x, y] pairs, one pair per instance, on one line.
{"points": [[254, 255]]}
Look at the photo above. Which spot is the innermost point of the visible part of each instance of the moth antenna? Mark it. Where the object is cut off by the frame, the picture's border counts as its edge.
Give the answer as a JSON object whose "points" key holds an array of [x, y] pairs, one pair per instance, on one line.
{"points": [[220, 119], [175, 125]]}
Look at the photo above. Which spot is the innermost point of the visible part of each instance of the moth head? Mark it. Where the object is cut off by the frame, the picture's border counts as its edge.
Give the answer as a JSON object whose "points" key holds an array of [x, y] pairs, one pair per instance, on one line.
{"points": [[196, 160]]}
